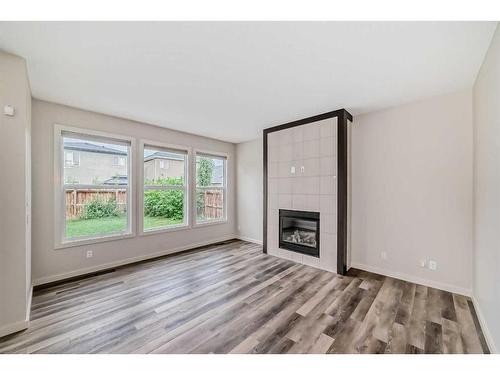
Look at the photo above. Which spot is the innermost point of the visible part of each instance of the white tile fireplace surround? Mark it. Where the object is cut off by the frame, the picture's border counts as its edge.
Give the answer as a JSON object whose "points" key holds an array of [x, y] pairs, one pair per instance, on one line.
{"points": [[302, 175]]}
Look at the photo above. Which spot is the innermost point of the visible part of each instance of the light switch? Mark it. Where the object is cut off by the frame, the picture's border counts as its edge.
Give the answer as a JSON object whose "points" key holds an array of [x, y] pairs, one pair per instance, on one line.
{"points": [[8, 110], [292, 170]]}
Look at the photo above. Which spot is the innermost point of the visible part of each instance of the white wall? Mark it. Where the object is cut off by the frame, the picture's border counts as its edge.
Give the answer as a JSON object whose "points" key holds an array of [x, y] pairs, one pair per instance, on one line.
{"points": [[487, 193], [15, 272], [50, 264], [249, 186], [412, 191]]}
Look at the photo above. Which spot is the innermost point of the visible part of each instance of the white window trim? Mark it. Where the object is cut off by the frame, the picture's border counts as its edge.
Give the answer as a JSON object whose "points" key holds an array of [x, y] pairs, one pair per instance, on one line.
{"points": [[59, 197], [143, 143], [225, 202]]}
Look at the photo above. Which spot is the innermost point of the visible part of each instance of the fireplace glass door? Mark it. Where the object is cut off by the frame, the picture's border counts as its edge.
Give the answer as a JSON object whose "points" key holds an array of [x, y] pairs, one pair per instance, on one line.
{"points": [[299, 231]]}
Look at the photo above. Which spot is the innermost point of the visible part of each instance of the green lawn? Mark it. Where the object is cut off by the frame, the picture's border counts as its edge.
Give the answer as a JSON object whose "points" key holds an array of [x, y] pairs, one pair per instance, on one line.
{"points": [[156, 222], [89, 227], [109, 225]]}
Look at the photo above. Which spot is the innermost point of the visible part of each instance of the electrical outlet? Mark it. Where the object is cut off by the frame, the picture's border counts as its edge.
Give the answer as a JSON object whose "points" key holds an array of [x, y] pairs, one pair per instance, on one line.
{"points": [[432, 265], [383, 254], [422, 263], [90, 254]]}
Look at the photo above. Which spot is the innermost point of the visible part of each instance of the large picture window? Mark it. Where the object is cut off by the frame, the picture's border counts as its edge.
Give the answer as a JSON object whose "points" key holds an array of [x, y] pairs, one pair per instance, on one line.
{"points": [[95, 196], [96, 175], [210, 188], [165, 188]]}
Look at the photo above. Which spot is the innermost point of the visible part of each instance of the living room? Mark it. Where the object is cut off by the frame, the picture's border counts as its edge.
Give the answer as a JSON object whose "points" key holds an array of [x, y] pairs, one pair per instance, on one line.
{"points": [[249, 187]]}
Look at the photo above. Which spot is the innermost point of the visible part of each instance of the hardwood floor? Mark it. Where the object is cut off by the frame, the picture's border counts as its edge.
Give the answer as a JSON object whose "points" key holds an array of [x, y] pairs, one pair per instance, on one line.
{"points": [[232, 298]]}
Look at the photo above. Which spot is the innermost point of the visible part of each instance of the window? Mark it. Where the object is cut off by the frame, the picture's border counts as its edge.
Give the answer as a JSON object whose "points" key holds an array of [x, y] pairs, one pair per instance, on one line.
{"points": [[210, 188], [163, 164], [165, 193], [95, 197], [71, 158]]}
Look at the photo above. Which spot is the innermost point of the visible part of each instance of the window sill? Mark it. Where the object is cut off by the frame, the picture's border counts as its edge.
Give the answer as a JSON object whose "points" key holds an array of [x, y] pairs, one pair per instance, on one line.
{"points": [[164, 230], [208, 223], [90, 241]]}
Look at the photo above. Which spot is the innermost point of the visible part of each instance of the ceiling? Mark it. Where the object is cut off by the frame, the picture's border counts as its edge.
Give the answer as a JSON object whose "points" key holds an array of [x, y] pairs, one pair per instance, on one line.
{"points": [[229, 80]]}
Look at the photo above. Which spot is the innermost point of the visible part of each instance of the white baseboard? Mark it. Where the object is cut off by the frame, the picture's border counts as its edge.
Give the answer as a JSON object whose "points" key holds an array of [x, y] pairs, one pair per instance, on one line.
{"points": [[484, 327], [248, 239], [413, 279], [104, 266]]}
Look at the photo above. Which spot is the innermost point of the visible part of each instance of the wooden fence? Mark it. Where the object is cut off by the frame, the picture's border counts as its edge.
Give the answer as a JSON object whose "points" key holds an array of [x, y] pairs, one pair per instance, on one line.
{"points": [[213, 207], [76, 200]]}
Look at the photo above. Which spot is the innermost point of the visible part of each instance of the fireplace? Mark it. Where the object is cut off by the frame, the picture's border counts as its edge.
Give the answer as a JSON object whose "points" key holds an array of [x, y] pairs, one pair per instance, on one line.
{"points": [[299, 231]]}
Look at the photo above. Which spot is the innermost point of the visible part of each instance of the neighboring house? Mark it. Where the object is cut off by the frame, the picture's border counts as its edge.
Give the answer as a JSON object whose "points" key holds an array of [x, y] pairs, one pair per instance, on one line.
{"points": [[163, 165], [117, 180], [88, 163], [217, 174]]}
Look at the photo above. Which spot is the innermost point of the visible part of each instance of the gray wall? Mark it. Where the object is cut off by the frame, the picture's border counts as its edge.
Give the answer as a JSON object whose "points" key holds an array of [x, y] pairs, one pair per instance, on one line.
{"points": [[249, 185], [487, 193], [15, 195], [412, 191], [50, 264]]}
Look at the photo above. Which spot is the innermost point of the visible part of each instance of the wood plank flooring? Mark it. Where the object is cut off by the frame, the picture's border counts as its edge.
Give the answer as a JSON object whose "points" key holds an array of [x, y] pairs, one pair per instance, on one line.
{"points": [[232, 298]]}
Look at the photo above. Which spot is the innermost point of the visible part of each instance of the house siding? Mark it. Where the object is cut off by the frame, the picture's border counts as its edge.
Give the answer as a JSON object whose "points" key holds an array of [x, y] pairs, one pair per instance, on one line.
{"points": [[94, 168]]}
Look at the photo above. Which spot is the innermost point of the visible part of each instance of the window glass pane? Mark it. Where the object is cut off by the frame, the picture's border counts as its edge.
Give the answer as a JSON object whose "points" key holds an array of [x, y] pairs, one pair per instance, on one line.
{"points": [[209, 171], [164, 188], [209, 204], [163, 168], [93, 212], [163, 208], [210, 185], [97, 162]]}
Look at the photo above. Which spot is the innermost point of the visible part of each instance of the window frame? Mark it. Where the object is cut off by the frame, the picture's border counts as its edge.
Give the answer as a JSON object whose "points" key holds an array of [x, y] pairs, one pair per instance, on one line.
{"points": [[215, 154], [144, 144], [60, 188]]}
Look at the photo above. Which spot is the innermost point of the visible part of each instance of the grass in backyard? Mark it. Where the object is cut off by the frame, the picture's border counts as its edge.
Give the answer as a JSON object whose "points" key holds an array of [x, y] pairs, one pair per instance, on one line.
{"points": [[157, 222], [90, 227], [109, 225]]}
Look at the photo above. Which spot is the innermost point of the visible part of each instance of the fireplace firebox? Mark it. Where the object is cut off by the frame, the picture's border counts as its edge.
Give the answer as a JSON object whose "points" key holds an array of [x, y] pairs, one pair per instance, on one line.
{"points": [[299, 231]]}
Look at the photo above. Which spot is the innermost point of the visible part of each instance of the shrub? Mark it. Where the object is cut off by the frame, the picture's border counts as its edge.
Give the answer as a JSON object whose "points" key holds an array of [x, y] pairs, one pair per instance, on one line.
{"points": [[204, 171], [178, 181], [99, 208], [164, 203]]}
